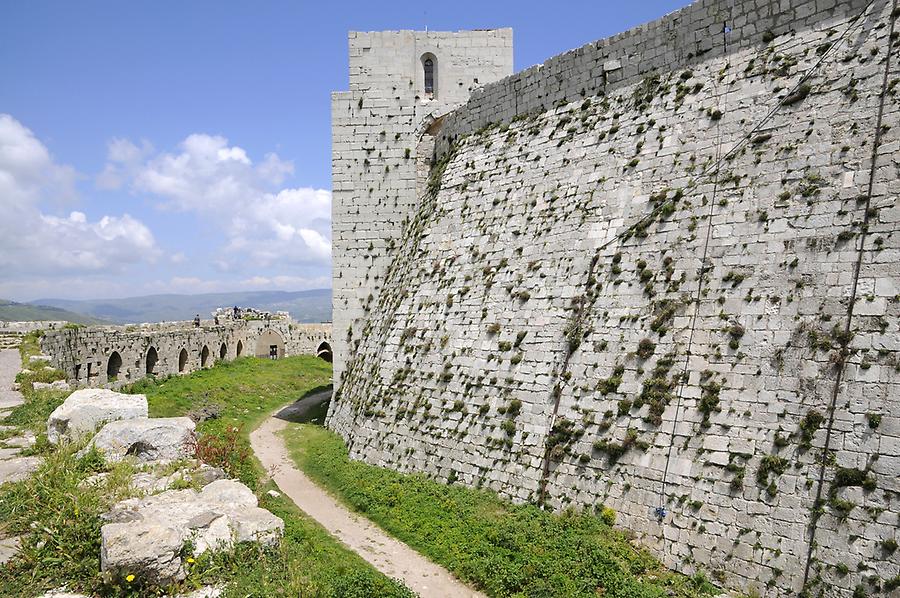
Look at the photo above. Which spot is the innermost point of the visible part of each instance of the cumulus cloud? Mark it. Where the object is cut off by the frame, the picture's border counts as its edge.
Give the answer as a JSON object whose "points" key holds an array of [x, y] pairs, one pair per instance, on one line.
{"points": [[264, 225], [35, 243], [124, 159]]}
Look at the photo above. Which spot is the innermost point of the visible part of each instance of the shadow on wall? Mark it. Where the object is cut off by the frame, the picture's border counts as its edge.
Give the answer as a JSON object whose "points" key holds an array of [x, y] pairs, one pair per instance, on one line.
{"points": [[270, 345], [324, 351]]}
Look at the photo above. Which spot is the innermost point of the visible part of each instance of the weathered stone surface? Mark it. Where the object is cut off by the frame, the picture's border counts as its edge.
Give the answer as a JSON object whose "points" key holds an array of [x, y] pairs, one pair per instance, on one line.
{"points": [[153, 481], [18, 468], [146, 535], [25, 440], [690, 198], [55, 385], [146, 439], [86, 409], [9, 547], [39, 359]]}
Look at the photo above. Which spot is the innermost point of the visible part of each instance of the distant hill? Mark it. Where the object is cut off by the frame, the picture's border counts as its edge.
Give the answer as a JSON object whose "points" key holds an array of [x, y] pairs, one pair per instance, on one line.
{"points": [[10, 311], [304, 306]]}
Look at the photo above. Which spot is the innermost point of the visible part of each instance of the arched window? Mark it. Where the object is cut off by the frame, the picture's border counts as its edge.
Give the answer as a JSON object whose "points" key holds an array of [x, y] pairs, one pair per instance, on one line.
{"points": [[429, 69], [429, 76], [152, 360], [113, 366]]}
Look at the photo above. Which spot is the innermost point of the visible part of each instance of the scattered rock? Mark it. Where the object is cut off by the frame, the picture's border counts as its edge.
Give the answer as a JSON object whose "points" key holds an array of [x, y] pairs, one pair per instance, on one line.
{"points": [[62, 593], [273, 493], [36, 359], [24, 441], [13, 470], [55, 385], [84, 410], [9, 547], [205, 592], [146, 439], [204, 412], [154, 482], [16, 386], [145, 536]]}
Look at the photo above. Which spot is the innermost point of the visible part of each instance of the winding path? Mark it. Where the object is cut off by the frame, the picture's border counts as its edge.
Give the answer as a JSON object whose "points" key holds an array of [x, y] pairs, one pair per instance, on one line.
{"points": [[387, 554]]}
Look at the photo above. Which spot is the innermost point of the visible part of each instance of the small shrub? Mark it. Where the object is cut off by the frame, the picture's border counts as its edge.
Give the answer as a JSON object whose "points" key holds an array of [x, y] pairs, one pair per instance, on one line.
{"points": [[646, 348], [228, 451]]}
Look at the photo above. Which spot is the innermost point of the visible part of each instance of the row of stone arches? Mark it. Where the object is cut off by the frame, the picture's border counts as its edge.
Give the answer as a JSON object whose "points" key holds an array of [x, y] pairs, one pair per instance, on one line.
{"points": [[152, 361], [269, 345]]}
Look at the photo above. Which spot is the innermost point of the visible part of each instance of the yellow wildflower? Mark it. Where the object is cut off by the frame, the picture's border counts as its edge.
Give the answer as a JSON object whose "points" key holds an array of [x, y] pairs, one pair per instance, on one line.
{"points": [[129, 578], [190, 559]]}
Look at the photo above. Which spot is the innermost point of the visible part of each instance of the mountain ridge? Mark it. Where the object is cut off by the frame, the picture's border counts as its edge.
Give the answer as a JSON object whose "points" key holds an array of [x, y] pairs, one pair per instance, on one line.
{"points": [[312, 305]]}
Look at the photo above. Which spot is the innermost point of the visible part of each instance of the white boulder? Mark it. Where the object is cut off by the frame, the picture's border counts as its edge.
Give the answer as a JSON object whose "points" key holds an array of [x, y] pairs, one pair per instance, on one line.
{"points": [[146, 439], [86, 409], [39, 359], [146, 536]]}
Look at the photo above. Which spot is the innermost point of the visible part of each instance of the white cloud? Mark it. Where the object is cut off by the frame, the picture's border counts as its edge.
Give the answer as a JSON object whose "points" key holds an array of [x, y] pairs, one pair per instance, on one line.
{"points": [[263, 224], [34, 243], [124, 158], [28, 174]]}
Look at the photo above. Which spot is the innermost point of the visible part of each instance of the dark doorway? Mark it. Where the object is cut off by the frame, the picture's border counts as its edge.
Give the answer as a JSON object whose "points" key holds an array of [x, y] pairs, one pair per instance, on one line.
{"points": [[273, 351], [324, 351], [182, 360], [223, 351], [113, 366], [204, 356], [152, 359]]}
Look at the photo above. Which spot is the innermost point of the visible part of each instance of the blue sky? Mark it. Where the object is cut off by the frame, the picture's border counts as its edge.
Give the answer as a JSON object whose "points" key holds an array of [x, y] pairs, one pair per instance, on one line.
{"points": [[171, 146]]}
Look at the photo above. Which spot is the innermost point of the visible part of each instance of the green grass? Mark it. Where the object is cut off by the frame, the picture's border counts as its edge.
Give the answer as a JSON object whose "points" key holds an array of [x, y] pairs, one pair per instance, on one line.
{"points": [[63, 547], [503, 549]]}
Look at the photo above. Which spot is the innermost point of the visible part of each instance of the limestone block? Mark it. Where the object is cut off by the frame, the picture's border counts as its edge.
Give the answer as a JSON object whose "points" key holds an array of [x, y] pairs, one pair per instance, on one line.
{"points": [[145, 536], [146, 439], [84, 410]]}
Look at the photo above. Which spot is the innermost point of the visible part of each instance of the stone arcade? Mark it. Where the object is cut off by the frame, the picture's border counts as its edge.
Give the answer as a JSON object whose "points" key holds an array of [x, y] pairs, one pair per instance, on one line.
{"points": [[657, 272], [112, 355]]}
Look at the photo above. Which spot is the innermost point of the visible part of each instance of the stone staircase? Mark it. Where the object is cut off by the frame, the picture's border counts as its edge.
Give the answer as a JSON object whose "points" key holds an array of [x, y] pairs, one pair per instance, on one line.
{"points": [[10, 339]]}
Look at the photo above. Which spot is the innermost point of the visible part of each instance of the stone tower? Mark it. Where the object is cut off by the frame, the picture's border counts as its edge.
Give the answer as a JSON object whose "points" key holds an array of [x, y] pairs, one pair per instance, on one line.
{"points": [[400, 82]]}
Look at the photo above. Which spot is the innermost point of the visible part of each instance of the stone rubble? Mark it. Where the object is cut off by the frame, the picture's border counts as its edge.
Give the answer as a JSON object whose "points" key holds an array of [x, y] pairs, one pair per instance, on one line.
{"points": [[145, 536], [145, 439], [86, 409]]}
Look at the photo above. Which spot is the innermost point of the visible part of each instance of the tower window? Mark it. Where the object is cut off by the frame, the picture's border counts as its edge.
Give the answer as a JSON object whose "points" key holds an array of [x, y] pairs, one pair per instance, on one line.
{"points": [[428, 68]]}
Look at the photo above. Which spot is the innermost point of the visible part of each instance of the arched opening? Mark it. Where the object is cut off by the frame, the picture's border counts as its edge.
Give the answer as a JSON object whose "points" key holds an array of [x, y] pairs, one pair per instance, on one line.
{"points": [[270, 345], [182, 360], [152, 359], [113, 366], [240, 349], [223, 351], [324, 351], [429, 71], [204, 356]]}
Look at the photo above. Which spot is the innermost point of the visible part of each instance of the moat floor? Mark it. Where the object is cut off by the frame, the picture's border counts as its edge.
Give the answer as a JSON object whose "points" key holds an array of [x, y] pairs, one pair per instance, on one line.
{"points": [[387, 554]]}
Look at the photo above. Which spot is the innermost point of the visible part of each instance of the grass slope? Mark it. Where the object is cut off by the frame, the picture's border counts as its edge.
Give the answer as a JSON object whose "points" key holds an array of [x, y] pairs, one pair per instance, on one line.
{"points": [[504, 549], [10, 311], [60, 518]]}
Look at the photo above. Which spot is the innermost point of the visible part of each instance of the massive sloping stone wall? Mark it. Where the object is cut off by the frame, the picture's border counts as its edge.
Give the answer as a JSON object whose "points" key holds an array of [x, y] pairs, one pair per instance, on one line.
{"points": [[375, 128], [674, 293], [169, 348]]}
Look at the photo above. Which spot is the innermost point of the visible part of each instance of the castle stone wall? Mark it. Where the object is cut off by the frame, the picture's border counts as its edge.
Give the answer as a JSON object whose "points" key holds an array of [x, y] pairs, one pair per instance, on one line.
{"points": [[84, 353], [676, 288], [376, 126]]}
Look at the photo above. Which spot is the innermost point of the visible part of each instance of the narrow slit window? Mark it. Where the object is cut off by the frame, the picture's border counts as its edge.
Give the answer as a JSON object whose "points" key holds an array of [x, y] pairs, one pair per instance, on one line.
{"points": [[429, 76]]}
